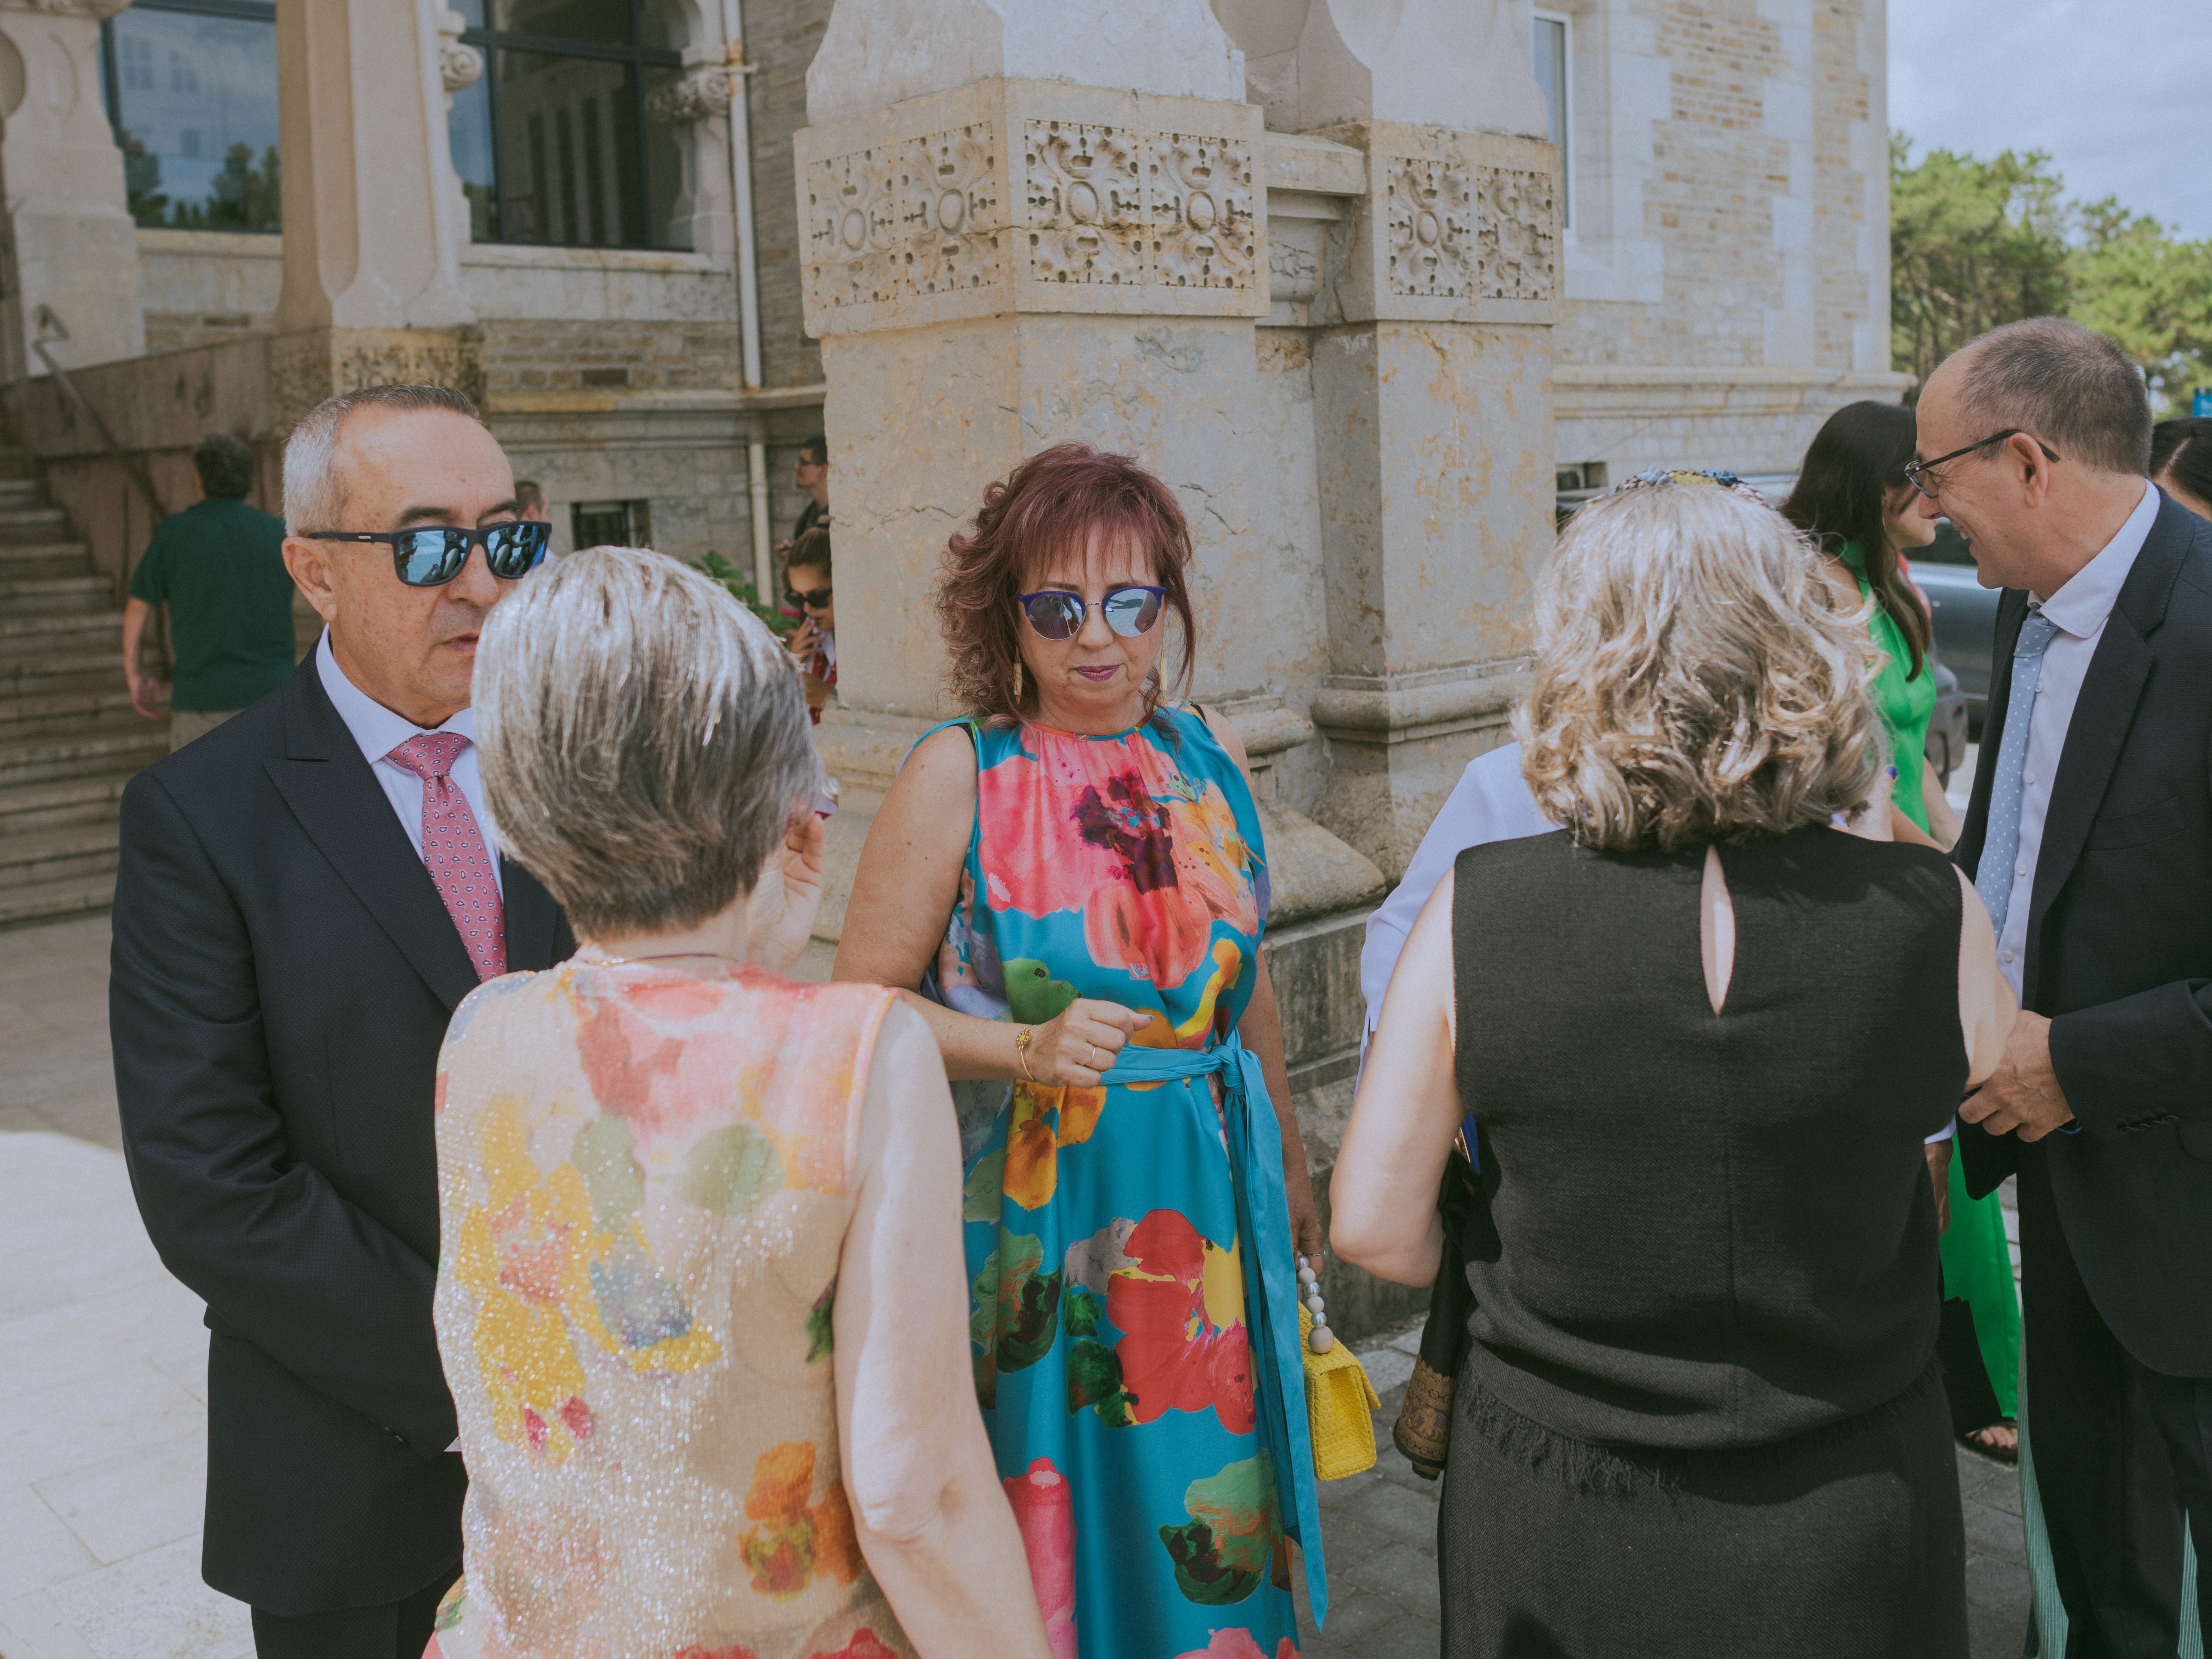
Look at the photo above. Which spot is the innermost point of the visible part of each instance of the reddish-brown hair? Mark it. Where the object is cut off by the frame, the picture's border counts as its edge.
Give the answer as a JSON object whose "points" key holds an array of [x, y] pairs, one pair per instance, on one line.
{"points": [[1051, 503]]}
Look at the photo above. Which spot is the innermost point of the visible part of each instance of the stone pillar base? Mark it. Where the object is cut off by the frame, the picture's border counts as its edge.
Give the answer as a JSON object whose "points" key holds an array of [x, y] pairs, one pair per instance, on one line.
{"points": [[307, 367], [1399, 749]]}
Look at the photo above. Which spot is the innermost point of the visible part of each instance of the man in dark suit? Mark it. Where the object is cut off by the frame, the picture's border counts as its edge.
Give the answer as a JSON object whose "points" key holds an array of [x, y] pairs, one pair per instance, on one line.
{"points": [[2090, 839], [304, 895]]}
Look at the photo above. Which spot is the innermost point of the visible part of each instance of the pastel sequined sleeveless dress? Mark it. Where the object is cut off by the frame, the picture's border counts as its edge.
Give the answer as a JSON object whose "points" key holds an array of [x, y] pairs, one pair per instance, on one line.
{"points": [[645, 1180], [1112, 1350]]}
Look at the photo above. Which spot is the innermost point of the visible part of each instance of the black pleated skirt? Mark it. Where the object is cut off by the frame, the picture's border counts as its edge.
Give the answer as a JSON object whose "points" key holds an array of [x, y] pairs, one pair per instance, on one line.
{"points": [[1846, 1543]]}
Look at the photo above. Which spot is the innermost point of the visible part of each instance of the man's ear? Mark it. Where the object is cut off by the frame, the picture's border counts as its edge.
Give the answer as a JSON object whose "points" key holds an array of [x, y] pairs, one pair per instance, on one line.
{"points": [[308, 563]]}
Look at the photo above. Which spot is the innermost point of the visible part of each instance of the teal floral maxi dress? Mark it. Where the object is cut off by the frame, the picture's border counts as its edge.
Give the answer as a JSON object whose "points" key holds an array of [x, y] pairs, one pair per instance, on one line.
{"points": [[1132, 1291]]}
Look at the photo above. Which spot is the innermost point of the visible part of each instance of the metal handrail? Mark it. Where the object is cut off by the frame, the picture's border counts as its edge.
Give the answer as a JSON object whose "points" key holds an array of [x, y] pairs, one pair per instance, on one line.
{"points": [[51, 327]]}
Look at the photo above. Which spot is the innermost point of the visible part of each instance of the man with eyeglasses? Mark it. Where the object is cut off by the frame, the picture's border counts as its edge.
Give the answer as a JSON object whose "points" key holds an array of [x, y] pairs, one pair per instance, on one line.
{"points": [[2090, 839], [304, 896]]}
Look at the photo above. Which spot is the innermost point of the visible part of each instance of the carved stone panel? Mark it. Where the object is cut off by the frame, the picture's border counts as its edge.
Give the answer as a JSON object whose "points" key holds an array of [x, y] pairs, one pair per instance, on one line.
{"points": [[1517, 237], [1085, 198], [954, 211], [1024, 196], [912, 216], [1198, 199], [1431, 212], [1464, 232]]}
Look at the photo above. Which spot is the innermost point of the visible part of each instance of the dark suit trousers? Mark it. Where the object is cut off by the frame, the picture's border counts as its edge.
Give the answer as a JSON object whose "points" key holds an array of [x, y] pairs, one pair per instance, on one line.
{"points": [[397, 1630], [2122, 1453]]}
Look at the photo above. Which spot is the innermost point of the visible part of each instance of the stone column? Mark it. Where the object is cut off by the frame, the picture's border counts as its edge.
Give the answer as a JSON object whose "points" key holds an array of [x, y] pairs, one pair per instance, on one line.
{"points": [[74, 247], [1432, 313], [996, 261], [372, 234]]}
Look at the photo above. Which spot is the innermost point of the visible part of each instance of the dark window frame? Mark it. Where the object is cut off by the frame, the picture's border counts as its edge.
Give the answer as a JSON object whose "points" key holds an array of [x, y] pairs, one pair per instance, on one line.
{"points": [[111, 89], [638, 58]]}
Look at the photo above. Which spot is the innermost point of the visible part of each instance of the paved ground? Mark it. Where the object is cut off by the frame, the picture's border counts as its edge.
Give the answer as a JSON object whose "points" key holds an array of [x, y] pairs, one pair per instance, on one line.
{"points": [[102, 1363]]}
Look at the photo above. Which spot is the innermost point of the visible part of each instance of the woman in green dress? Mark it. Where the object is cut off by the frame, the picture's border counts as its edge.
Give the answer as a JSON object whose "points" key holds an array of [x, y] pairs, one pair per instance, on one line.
{"points": [[1852, 499]]}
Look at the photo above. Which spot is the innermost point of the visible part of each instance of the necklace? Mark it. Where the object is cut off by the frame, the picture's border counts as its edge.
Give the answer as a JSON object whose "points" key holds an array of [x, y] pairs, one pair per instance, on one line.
{"points": [[671, 956]]}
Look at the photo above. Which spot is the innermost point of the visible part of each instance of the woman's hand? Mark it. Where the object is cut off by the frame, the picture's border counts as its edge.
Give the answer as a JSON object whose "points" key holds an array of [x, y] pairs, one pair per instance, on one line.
{"points": [[780, 915], [803, 642], [1076, 1050], [1305, 1216]]}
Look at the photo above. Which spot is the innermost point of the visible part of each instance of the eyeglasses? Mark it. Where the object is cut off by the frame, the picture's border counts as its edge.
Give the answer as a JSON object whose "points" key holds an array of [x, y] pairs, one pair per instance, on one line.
{"points": [[1917, 472], [1129, 611], [817, 598], [433, 556]]}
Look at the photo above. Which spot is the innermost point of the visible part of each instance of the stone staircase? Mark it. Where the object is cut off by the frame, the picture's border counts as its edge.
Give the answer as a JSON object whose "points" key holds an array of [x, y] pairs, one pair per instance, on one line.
{"points": [[68, 739]]}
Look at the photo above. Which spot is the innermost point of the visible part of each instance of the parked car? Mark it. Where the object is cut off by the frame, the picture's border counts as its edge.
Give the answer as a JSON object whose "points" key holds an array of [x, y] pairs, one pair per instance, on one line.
{"points": [[1966, 616], [1949, 729]]}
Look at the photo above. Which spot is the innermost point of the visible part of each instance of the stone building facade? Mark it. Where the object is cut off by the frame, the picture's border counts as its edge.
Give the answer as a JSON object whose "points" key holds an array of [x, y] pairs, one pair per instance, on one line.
{"points": [[1723, 244], [1371, 283]]}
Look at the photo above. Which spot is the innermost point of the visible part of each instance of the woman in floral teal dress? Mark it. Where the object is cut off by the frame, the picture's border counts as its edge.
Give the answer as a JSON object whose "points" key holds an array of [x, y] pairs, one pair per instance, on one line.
{"points": [[1074, 882]]}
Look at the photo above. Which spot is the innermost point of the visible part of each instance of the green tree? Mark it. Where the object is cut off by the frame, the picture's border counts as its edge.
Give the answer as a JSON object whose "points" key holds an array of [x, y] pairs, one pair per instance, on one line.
{"points": [[1973, 244], [2136, 284]]}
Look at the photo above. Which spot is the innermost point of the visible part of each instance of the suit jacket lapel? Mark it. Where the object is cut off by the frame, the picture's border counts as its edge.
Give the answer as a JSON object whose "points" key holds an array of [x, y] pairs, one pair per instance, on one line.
{"points": [[2098, 730], [533, 920], [337, 801], [2012, 611]]}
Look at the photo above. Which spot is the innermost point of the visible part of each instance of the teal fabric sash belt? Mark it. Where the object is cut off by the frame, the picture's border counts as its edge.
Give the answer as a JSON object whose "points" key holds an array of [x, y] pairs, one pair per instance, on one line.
{"points": [[1271, 1298]]}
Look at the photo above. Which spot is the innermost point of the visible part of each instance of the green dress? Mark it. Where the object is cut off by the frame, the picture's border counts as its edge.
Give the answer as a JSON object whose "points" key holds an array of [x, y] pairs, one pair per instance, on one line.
{"points": [[1977, 1265]]}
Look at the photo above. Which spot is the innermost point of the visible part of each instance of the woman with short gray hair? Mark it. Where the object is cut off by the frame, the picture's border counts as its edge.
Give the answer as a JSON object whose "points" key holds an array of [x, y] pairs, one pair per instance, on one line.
{"points": [[700, 1300], [1700, 1413]]}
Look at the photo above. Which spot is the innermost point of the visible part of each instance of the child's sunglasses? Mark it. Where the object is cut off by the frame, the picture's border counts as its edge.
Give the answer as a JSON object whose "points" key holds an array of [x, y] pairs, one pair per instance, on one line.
{"points": [[433, 556], [1129, 611]]}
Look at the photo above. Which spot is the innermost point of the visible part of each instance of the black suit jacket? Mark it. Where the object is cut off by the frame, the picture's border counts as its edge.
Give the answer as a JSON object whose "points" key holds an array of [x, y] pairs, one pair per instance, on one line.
{"points": [[2120, 952], [283, 971]]}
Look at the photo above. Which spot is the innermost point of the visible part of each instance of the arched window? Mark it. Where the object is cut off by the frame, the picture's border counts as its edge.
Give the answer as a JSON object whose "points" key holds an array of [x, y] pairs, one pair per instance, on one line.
{"points": [[191, 88], [553, 143]]}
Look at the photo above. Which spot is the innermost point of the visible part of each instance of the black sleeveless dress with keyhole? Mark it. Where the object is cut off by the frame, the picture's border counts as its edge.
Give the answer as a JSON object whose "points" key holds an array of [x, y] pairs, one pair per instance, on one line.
{"points": [[1701, 1415]]}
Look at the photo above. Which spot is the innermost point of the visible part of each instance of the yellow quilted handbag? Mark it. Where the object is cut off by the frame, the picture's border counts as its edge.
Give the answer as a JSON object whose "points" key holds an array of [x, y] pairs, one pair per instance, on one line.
{"points": [[1340, 1405]]}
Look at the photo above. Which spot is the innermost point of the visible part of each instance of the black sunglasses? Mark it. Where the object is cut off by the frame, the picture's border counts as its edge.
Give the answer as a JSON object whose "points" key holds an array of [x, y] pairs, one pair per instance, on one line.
{"points": [[433, 556], [817, 597], [1917, 472], [1129, 611]]}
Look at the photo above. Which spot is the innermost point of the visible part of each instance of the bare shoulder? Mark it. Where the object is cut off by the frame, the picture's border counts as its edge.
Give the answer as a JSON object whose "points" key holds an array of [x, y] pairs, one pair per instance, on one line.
{"points": [[1226, 734], [939, 777]]}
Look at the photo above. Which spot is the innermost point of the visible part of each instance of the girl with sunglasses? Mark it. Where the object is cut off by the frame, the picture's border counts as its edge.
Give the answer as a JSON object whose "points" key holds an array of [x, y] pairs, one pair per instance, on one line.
{"points": [[1072, 884], [813, 643]]}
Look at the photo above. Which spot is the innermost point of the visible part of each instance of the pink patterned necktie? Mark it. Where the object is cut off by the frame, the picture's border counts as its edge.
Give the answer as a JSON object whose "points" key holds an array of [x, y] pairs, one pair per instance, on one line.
{"points": [[453, 849]]}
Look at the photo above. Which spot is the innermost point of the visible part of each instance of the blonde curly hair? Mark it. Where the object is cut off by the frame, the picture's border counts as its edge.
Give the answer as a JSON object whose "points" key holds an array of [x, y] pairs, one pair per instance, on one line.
{"points": [[1694, 682]]}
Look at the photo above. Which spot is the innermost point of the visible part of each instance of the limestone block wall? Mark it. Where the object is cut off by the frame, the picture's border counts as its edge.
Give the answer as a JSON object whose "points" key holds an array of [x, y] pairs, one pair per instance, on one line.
{"points": [[200, 287], [1728, 263]]}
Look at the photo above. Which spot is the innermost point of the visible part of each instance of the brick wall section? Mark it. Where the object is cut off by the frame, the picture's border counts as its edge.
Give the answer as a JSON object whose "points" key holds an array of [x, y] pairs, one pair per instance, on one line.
{"points": [[1841, 97], [782, 37], [540, 354]]}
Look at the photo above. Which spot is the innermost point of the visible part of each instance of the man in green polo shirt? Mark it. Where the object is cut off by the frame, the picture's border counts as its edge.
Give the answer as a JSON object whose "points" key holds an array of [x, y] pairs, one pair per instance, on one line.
{"points": [[219, 565]]}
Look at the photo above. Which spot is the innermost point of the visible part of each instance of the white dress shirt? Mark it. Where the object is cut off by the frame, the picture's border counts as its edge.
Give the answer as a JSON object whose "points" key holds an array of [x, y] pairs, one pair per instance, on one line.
{"points": [[2078, 610], [1491, 803], [379, 732]]}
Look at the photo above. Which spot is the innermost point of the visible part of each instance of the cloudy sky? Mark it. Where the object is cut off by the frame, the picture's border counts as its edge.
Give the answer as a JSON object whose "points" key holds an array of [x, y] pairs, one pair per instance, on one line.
{"points": [[2119, 92]]}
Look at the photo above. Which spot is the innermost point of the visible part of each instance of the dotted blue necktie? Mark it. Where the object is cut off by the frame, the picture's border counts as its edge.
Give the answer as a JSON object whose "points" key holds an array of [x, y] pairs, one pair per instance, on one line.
{"points": [[1994, 876]]}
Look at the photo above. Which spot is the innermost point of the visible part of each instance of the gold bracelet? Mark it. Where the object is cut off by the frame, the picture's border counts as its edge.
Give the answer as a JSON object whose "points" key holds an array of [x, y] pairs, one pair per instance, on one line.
{"points": [[1022, 1050]]}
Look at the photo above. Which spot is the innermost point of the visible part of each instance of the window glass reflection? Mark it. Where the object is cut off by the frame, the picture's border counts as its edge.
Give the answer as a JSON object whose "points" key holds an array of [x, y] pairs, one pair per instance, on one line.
{"points": [[193, 99]]}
